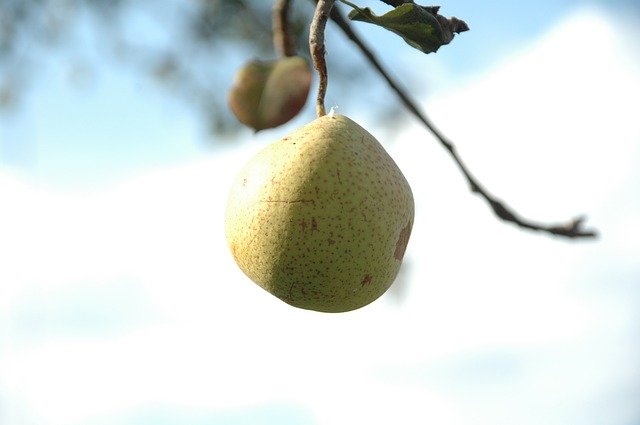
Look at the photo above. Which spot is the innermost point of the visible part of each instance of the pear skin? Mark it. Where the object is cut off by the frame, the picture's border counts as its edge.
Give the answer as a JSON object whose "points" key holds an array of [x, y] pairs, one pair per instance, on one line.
{"points": [[321, 218]]}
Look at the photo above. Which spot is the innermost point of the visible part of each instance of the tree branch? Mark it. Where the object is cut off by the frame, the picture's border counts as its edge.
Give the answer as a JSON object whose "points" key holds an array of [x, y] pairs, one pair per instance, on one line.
{"points": [[572, 229], [282, 38], [316, 47]]}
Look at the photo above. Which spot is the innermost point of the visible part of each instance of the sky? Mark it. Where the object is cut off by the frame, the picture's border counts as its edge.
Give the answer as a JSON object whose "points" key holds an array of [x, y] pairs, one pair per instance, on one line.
{"points": [[120, 303]]}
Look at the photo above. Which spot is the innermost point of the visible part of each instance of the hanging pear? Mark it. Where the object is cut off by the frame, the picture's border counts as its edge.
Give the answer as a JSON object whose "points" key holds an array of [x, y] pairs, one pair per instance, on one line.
{"points": [[266, 94], [321, 218]]}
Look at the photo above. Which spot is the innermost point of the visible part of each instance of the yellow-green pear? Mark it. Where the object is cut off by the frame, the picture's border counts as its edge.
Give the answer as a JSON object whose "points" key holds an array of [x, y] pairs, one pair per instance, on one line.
{"points": [[322, 217]]}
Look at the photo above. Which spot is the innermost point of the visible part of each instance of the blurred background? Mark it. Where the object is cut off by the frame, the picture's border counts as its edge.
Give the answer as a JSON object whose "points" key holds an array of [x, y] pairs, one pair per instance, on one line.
{"points": [[120, 304]]}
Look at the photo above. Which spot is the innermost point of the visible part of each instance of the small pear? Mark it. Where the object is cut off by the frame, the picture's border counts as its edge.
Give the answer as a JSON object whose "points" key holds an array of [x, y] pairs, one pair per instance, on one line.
{"points": [[266, 94], [321, 218]]}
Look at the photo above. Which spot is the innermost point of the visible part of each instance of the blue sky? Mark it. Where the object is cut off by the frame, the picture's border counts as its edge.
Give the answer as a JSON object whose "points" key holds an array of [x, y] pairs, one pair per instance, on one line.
{"points": [[120, 304]]}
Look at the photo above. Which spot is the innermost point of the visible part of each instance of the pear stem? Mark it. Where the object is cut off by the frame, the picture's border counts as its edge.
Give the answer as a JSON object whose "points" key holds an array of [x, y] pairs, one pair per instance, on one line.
{"points": [[282, 38], [316, 47]]}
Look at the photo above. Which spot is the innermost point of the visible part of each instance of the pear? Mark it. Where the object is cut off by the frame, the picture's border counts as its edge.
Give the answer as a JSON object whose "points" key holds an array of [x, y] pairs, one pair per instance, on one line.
{"points": [[321, 218], [266, 94]]}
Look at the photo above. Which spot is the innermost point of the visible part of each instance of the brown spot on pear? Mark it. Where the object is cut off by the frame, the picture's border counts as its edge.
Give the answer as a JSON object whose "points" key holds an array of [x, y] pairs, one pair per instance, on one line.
{"points": [[403, 240], [346, 262]]}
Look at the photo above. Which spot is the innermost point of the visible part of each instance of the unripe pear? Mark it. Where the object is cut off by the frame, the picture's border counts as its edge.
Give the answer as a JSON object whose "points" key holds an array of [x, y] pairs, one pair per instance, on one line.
{"points": [[266, 94], [322, 217]]}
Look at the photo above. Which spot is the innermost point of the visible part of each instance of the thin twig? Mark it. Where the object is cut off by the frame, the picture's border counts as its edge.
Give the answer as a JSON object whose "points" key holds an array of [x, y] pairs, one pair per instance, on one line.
{"points": [[316, 47], [571, 229], [282, 38]]}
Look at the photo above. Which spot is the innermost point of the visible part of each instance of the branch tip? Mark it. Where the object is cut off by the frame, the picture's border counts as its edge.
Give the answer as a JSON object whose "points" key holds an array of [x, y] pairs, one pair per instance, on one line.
{"points": [[573, 229]]}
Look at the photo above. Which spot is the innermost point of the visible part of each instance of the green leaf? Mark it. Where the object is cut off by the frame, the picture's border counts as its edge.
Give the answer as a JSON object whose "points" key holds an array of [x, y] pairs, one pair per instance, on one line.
{"points": [[420, 27]]}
